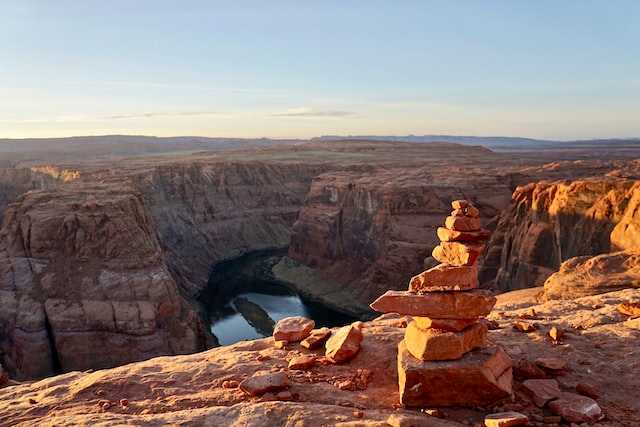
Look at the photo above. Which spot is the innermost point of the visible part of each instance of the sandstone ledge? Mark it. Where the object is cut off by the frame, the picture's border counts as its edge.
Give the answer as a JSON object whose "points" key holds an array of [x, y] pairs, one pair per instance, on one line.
{"points": [[189, 389]]}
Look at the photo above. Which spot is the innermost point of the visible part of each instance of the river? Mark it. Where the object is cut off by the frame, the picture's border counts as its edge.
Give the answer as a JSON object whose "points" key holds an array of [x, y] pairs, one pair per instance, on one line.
{"points": [[243, 304]]}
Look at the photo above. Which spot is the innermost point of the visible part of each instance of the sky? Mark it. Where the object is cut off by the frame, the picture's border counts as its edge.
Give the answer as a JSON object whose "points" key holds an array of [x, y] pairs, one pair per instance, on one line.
{"points": [[545, 69]]}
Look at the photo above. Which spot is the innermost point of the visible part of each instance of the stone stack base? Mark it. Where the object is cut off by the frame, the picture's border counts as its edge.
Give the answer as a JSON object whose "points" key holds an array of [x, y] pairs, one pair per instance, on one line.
{"points": [[478, 377]]}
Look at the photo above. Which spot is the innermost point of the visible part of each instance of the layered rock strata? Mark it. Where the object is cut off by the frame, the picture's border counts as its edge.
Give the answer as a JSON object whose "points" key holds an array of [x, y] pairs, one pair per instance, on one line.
{"points": [[549, 223], [443, 359]]}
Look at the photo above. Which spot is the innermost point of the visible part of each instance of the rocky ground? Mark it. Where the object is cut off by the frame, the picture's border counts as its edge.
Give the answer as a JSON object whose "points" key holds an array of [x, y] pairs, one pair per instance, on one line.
{"points": [[599, 348]]}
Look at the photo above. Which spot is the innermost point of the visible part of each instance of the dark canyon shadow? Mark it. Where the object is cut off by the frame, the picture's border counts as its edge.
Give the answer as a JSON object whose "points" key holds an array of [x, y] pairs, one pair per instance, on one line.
{"points": [[243, 301]]}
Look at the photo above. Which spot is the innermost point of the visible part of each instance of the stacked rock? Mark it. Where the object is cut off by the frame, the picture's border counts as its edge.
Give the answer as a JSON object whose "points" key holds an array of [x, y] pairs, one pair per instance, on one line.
{"points": [[443, 359]]}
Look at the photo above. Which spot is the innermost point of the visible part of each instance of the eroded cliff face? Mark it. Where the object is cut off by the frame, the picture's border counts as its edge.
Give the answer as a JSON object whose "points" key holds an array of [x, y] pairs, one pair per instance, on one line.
{"points": [[367, 234], [101, 270], [85, 284], [14, 182], [101, 267], [548, 223], [208, 212]]}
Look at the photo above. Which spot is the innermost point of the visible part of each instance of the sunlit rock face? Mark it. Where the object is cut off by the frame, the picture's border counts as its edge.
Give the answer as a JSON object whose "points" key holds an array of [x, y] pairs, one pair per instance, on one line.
{"points": [[548, 223], [111, 254], [374, 232]]}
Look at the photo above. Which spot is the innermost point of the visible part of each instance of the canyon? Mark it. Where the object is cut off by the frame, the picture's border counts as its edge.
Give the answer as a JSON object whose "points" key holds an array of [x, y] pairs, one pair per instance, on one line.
{"points": [[102, 259], [116, 251]]}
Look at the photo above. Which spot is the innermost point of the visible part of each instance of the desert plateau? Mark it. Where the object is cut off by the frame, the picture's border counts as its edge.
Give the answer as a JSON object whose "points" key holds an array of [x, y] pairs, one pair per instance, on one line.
{"points": [[108, 246]]}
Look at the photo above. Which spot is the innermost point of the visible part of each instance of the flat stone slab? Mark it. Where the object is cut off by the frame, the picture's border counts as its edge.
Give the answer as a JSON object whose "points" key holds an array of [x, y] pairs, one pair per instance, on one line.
{"points": [[575, 408], [542, 391], [436, 344], [446, 235], [444, 305], [506, 419], [445, 277], [316, 338], [293, 329], [479, 378], [457, 253], [446, 324], [344, 343], [463, 223], [259, 384]]}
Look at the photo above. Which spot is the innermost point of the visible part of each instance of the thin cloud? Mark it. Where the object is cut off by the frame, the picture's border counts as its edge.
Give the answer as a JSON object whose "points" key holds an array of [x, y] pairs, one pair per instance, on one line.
{"points": [[159, 114], [314, 113]]}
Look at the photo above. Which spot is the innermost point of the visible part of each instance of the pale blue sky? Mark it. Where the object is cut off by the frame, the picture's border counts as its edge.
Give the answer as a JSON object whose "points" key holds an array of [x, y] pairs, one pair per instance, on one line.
{"points": [[554, 69]]}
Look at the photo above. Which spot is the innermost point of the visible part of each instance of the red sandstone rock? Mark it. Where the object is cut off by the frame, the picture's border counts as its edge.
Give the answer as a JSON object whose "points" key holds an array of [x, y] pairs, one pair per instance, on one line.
{"points": [[293, 329], [446, 235], [457, 253], [479, 378], [302, 362], [262, 383], [344, 343], [316, 338], [444, 277], [556, 333], [630, 308], [436, 344], [542, 391], [585, 275], [526, 229], [553, 365], [446, 305], [526, 369], [471, 211], [463, 223], [506, 419], [459, 204], [446, 324], [587, 389], [574, 408]]}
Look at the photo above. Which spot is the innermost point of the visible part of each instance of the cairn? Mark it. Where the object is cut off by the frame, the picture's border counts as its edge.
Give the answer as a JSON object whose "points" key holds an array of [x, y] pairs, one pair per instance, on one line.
{"points": [[444, 359]]}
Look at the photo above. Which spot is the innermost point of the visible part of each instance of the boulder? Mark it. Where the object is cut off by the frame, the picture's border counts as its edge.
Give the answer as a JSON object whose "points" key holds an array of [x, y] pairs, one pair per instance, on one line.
{"points": [[526, 369], [293, 329], [542, 391], [457, 253], [344, 343], [263, 382], [480, 377], [437, 344], [552, 365], [574, 408], [302, 362], [445, 277], [585, 275], [463, 223], [316, 338]]}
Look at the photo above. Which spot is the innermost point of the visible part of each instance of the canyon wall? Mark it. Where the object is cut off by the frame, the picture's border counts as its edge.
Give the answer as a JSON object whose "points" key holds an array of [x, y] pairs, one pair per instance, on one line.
{"points": [[14, 182], [364, 234], [102, 269], [100, 266], [85, 284], [548, 223], [208, 212]]}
